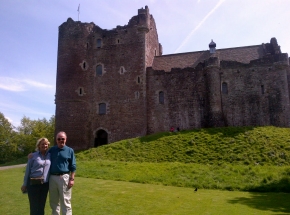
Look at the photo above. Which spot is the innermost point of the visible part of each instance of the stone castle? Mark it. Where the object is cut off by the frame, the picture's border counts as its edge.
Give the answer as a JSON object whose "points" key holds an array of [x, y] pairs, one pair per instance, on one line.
{"points": [[116, 84]]}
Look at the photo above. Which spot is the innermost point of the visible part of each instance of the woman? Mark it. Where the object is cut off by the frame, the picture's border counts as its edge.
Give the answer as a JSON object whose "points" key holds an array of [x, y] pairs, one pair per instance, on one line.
{"points": [[36, 177]]}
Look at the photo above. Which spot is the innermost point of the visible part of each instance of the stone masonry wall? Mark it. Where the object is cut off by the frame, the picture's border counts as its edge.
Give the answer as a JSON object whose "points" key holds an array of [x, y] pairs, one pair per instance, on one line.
{"points": [[257, 95], [184, 99]]}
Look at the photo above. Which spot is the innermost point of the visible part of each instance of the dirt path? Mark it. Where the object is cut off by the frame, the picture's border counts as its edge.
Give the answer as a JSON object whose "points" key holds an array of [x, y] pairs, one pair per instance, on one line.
{"points": [[14, 166]]}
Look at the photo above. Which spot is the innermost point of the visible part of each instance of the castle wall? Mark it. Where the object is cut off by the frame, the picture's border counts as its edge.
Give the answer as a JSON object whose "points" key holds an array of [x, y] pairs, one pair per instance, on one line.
{"points": [[72, 110], [257, 96], [121, 90], [184, 99]]}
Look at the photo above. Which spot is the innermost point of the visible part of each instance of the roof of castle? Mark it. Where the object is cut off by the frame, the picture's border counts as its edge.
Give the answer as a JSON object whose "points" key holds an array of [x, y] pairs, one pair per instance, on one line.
{"points": [[191, 59]]}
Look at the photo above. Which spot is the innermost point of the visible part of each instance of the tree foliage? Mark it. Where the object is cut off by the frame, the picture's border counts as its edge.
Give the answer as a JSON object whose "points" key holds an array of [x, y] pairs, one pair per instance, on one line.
{"points": [[16, 142], [8, 149]]}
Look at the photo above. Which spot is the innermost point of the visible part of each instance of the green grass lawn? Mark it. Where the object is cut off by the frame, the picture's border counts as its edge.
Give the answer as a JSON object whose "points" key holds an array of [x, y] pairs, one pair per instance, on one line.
{"points": [[107, 197]]}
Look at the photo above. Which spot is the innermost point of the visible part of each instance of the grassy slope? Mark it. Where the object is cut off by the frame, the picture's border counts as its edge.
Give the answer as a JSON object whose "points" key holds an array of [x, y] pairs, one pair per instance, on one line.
{"points": [[235, 145], [249, 159]]}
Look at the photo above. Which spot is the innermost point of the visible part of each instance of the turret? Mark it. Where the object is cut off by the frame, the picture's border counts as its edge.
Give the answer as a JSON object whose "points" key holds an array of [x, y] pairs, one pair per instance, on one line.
{"points": [[143, 19], [213, 85], [212, 46]]}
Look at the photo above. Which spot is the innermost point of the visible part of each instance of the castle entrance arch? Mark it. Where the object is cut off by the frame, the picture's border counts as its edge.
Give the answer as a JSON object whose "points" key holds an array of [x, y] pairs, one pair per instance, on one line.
{"points": [[101, 138]]}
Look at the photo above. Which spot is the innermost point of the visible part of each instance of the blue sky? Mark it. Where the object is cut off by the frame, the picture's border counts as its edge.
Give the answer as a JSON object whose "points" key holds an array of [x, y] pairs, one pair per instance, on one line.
{"points": [[29, 34]]}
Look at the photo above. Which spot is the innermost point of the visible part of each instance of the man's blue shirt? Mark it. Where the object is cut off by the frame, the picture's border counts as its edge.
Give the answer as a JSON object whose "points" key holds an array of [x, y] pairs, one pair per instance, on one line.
{"points": [[62, 159]]}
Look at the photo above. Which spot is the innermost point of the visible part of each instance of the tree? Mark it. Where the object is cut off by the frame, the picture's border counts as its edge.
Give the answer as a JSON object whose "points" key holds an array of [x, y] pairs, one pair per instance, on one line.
{"points": [[20, 141], [31, 130], [8, 148]]}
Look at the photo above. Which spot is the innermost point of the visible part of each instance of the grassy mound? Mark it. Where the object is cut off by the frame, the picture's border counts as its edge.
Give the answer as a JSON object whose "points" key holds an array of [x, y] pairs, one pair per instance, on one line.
{"points": [[215, 146]]}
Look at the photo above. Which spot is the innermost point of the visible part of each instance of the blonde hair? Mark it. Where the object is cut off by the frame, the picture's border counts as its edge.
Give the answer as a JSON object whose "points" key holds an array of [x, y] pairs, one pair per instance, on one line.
{"points": [[39, 141]]}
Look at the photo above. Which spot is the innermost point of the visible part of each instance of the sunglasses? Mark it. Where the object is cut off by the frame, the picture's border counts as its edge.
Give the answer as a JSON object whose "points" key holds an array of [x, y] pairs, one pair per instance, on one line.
{"points": [[60, 139]]}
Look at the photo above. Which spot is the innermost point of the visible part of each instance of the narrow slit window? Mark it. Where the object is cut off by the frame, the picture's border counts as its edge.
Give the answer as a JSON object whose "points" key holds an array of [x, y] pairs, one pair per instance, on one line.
{"points": [[137, 95], [224, 88], [138, 80], [80, 91], [102, 108], [99, 43], [99, 70], [84, 65], [161, 97], [262, 89]]}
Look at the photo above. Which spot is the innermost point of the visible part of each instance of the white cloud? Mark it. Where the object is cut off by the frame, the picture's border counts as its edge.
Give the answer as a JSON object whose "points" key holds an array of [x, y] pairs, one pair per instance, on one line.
{"points": [[14, 107], [17, 85]]}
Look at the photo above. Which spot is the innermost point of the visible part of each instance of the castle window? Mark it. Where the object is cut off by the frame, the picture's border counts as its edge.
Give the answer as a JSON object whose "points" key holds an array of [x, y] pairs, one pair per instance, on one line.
{"points": [[80, 91], [224, 88], [161, 97], [87, 45], [84, 65], [138, 80], [122, 70], [137, 94], [99, 43], [262, 89], [102, 108], [99, 69]]}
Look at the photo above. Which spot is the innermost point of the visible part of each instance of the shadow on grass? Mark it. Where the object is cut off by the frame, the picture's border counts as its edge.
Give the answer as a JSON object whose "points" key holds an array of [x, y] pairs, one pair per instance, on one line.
{"points": [[225, 131], [153, 137], [228, 131], [276, 202], [283, 185], [262, 199]]}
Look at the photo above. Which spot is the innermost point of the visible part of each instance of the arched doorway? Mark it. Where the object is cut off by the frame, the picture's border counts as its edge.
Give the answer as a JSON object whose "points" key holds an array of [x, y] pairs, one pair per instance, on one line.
{"points": [[101, 138]]}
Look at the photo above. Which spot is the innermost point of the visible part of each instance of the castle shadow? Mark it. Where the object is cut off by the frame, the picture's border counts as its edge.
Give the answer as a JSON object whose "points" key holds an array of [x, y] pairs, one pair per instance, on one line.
{"points": [[283, 185], [275, 202], [225, 131], [271, 196]]}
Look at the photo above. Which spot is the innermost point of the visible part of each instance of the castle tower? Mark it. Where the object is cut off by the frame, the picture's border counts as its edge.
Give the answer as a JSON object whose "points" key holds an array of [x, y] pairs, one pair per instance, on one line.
{"points": [[101, 84], [213, 86]]}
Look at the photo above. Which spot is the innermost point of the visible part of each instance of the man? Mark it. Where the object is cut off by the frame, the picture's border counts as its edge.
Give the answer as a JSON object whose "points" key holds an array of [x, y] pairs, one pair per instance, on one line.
{"points": [[62, 174]]}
